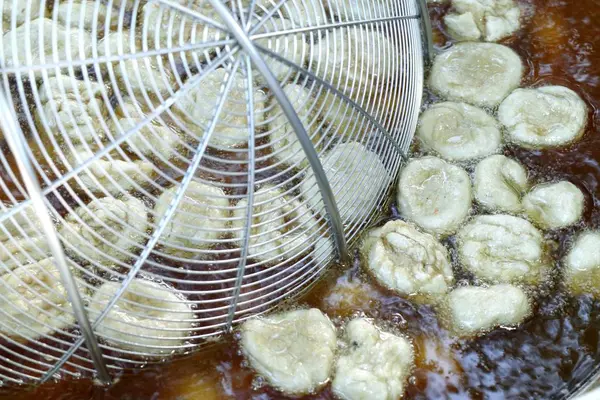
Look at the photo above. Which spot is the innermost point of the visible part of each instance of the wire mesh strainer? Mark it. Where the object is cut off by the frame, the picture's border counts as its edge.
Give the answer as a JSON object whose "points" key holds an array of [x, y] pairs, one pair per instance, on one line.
{"points": [[171, 168]]}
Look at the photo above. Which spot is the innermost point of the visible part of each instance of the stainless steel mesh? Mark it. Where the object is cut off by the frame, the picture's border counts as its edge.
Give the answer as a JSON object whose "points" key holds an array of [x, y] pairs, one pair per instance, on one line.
{"points": [[173, 167]]}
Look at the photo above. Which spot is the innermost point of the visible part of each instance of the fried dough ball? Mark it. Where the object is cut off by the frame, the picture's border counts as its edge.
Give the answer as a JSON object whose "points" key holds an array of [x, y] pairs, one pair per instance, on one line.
{"points": [[582, 264], [198, 107], [458, 131], [355, 60], [22, 45], [500, 184], [356, 175], [292, 47], [492, 20], [284, 141], [151, 76], [282, 227], [293, 350], [72, 109], [434, 194], [165, 27], [149, 318], [34, 301], [473, 310], [375, 365], [24, 10], [82, 14], [200, 220], [407, 261], [482, 74], [342, 117], [554, 205], [111, 174], [22, 240], [156, 139], [462, 26], [549, 116], [117, 43], [105, 229], [503, 249]]}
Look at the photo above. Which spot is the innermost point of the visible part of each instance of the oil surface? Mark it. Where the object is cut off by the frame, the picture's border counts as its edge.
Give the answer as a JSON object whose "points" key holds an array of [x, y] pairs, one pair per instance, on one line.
{"points": [[544, 358]]}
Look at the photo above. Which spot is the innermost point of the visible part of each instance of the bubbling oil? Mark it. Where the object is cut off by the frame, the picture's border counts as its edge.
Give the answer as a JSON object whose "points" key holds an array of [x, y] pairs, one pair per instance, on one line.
{"points": [[545, 357]]}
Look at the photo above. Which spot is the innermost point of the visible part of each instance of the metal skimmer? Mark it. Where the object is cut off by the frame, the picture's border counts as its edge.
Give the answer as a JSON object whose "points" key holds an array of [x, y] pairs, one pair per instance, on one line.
{"points": [[173, 167]]}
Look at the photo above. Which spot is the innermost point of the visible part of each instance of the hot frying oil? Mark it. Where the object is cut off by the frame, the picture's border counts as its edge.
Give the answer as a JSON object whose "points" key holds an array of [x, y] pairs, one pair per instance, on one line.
{"points": [[548, 355]]}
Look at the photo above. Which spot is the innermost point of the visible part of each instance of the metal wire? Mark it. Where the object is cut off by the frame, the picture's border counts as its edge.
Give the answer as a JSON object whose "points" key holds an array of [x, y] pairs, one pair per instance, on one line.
{"points": [[201, 161]]}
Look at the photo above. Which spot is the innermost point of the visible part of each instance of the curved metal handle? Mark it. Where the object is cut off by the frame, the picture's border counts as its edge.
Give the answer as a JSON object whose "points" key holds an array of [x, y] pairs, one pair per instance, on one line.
{"points": [[288, 109], [427, 31]]}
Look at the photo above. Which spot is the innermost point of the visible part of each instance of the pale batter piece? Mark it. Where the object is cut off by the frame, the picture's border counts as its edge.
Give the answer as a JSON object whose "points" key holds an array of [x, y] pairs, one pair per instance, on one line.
{"points": [[199, 104], [152, 76], [355, 60], [282, 227], [475, 310], [34, 302], [106, 229], [357, 177], [84, 14], [500, 184], [582, 264], [109, 174], [503, 249], [22, 46], [375, 364], [150, 318], [293, 350], [156, 140], [491, 19], [458, 131], [293, 47], [481, 74], [23, 10], [407, 261], [72, 109], [554, 205], [22, 240], [284, 141], [200, 220], [434, 194], [544, 117]]}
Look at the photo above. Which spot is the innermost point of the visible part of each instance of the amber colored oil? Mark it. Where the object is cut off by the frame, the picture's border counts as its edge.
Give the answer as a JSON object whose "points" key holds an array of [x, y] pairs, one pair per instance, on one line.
{"points": [[545, 357]]}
